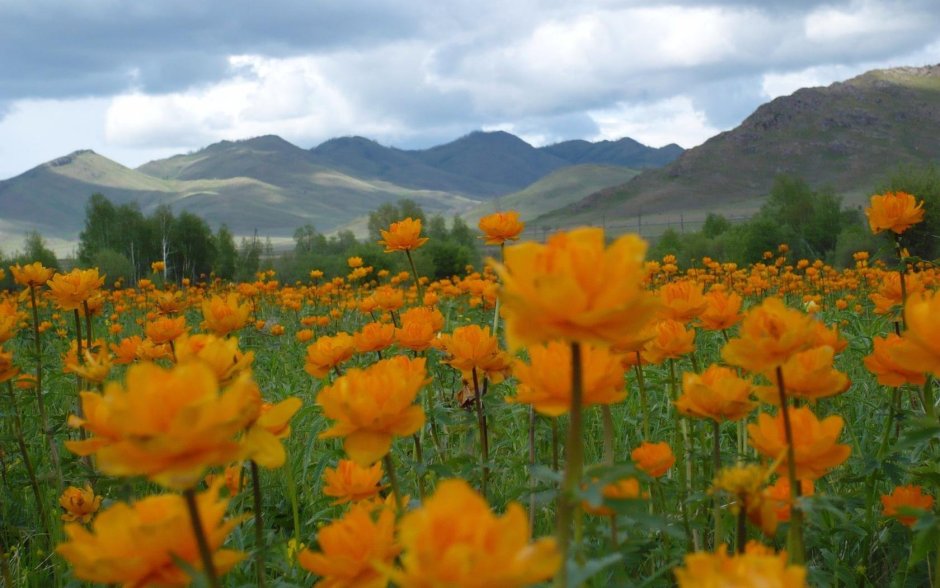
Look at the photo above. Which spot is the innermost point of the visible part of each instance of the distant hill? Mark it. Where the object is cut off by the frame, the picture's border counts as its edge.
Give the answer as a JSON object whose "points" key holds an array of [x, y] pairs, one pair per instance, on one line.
{"points": [[624, 152], [849, 136]]}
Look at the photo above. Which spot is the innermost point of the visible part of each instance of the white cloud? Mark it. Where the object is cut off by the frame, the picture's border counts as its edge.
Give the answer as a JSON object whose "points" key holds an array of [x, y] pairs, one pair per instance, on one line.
{"points": [[673, 120]]}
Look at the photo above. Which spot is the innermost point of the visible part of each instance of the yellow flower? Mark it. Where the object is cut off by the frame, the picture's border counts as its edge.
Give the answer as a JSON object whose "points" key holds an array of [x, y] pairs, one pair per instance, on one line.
{"points": [[770, 334], [573, 288], [809, 375], [96, 365], [31, 275], [225, 315], [72, 289], [886, 369], [472, 347], [625, 489], [262, 440], [500, 227], [165, 329], [372, 406], [328, 352], [222, 356], [454, 540], [7, 368], [815, 446], [654, 459], [894, 211], [719, 570], [374, 337], [405, 235], [920, 348], [682, 300], [722, 310], [350, 482], [168, 425], [140, 544], [80, 504], [717, 394], [356, 550], [545, 382], [671, 340]]}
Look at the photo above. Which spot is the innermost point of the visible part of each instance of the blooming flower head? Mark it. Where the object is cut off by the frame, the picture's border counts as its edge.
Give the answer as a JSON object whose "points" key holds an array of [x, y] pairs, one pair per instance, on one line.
{"points": [[886, 369], [722, 310], [140, 544], [95, 364], [74, 288], [222, 356], [906, 498], [454, 539], [351, 482], [165, 329], [328, 352], [780, 496], [31, 275], [374, 336], [262, 440], [809, 375], [625, 489], [573, 288], [8, 369], [920, 347], [232, 476], [770, 334], [225, 315], [80, 504], [815, 446], [405, 235], [166, 424], [10, 317], [682, 300], [545, 382], [125, 350], [419, 326], [473, 347], [500, 227], [371, 406], [717, 393], [357, 550], [894, 211], [654, 459], [671, 340], [720, 570]]}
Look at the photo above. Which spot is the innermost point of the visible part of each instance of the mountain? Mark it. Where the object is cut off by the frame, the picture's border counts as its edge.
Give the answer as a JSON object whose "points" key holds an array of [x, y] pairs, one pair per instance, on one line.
{"points": [[849, 136], [624, 152]]}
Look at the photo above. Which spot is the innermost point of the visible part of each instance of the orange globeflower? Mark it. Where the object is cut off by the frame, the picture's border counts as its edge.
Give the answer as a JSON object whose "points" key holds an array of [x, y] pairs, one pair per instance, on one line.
{"points": [[371, 406], [906, 497], [80, 504], [165, 329], [654, 459], [221, 355], [356, 550], [262, 439], [722, 310], [96, 364], [374, 337], [405, 235], [224, 315], [350, 482], [142, 544], [809, 375], [10, 318], [424, 314], [894, 211], [770, 334], [166, 424], [31, 275], [780, 496], [472, 347], [625, 489], [453, 539], [500, 227], [717, 394], [682, 300], [573, 288], [125, 351], [72, 289], [545, 382], [886, 369], [671, 340], [415, 335], [815, 446], [703, 569], [920, 347], [328, 352]]}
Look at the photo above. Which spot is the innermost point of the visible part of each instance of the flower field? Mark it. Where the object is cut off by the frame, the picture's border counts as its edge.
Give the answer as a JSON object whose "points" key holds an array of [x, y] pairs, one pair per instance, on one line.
{"points": [[572, 414]]}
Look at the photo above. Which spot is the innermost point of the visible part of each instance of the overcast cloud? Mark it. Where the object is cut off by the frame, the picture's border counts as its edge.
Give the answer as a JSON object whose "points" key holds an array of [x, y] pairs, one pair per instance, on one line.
{"points": [[142, 80]]}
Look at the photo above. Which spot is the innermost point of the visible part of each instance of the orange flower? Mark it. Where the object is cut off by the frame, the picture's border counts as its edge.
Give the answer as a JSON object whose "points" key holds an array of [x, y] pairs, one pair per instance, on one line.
{"points": [[545, 382], [374, 337], [718, 569], [453, 539], [573, 288], [222, 356], [904, 498], [388, 298], [745, 483], [654, 459], [889, 292], [7, 369], [10, 317], [72, 289], [405, 235], [225, 315], [125, 351], [717, 394], [682, 300], [232, 477], [671, 340], [808, 374], [770, 334], [262, 440], [779, 494], [80, 504], [328, 352], [168, 425], [920, 347], [372, 406], [165, 329], [722, 310], [96, 364], [356, 550], [894, 211], [140, 544], [350, 482], [500, 227], [815, 444], [415, 335], [886, 369], [472, 347], [625, 489], [32, 274]]}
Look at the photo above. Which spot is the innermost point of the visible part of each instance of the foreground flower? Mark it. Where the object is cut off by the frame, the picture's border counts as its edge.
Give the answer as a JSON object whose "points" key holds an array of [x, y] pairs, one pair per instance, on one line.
{"points": [[885, 367], [809, 375], [920, 348], [80, 504], [500, 227], [717, 394], [906, 498], [371, 406], [224, 315], [720, 570], [682, 300], [356, 550], [142, 544], [454, 540], [671, 340], [722, 310], [72, 289], [770, 334], [31, 275], [168, 425], [405, 235], [545, 382], [815, 446], [326, 353], [474, 348], [222, 356], [262, 441], [573, 288], [894, 211], [350, 482], [654, 459]]}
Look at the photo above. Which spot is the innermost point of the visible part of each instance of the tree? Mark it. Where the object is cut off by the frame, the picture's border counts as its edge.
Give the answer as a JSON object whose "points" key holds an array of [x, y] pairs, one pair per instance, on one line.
{"points": [[389, 213], [35, 249], [194, 246], [100, 222], [715, 224], [308, 240], [226, 254]]}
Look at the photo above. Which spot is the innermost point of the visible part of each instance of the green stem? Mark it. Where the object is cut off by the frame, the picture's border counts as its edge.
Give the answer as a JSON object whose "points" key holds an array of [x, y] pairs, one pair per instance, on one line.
{"points": [[929, 408], [40, 401], [608, 421], [795, 536], [294, 504], [393, 480], [419, 459], [575, 456], [531, 466], [204, 552], [644, 403], [716, 462], [484, 442], [34, 483], [259, 522], [681, 434], [741, 537], [414, 271]]}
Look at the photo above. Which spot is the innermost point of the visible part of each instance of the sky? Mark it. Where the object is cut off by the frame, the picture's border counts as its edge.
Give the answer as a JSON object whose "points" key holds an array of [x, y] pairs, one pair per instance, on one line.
{"points": [[141, 80]]}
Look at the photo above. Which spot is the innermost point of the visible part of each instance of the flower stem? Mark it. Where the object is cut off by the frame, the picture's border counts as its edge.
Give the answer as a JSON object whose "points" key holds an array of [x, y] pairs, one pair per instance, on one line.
{"points": [[204, 552], [419, 459], [609, 436], [716, 462], [484, 442], [531, 466], [795, 536], [644, 403], [414, 271], [294, 505], [575, 457], [40, 401], [393, 480], [681, 442], [259, 522], [21, 442]]}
